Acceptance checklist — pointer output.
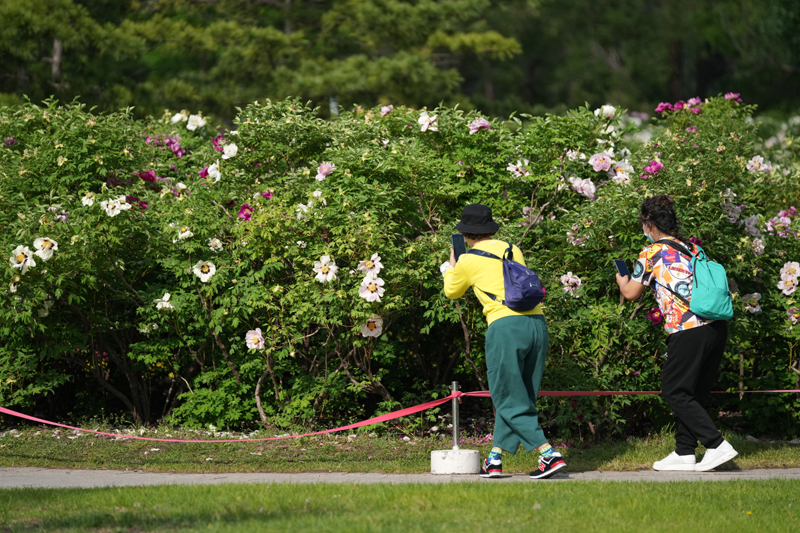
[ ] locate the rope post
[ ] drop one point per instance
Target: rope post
(455, 417)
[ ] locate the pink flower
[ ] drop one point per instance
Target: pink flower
(478, 124)
(267, 194)
(695, 241)
(583, 186)
(695, 110)
(245, 212)
(794, 314)
(600, 162)
(733, 96)
(655, 316)
(694, 101)
(325, 170)
(751, 302)
(680, 104)
(203, 173)
(691, 129)
(654, 167)
(787, 286)
(571, 283)
(147, 175)
(757, 164)
(664, 106)
(218, 141)
(385, 110)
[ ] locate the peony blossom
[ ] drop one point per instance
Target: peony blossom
(655, 315)
(751, 225)
(373, 327)
(267, 194)
(184, 233)
(204, 270)
(214, 244)
(788, 285)
(183, 116)
(694, 101)
(371, 289)
(572, 155)
(385, 110)
(111, 207)
(302, 209)
(583, 186)
(733, 96)
(571, 283)
(325, 170)
(574, 239)
(325, 269)
(790, 270)
(22, 258)
(601, 161)
(124, 205)
(229, 150)
(691, 129)
(88, 199)
(428, 122)
(654, 167)
(757, 164)
(254, 339)
(794, 314)
(478, 124)
(45, 311)
(245, 212)
(758, 247)
(751, 302)
(218, 141)
(45, 247)
(163, 302)
(371, 267)
(606, 111)
(519, 169)
(194, 122)
(213, 171)
(663, 106)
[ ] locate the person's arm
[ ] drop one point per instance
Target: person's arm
(456, 280)
(630, 289)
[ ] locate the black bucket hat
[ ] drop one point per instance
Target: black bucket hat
(477, 219)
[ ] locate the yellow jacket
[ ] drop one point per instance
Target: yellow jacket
(484, 274)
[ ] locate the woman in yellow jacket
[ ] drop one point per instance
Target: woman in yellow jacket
(516, 345)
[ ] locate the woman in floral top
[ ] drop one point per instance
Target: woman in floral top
(695, 346)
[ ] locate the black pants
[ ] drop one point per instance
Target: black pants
(690, 368)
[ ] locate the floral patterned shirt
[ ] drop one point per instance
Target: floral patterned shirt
(660, 266)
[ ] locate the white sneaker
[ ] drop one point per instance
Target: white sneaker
(716, 456)
(676, 462)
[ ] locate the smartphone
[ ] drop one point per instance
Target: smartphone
(622, 268)
(459, 245)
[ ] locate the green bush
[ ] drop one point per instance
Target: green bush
(250, 333)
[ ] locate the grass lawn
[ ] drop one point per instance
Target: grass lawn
(728, 506)
(47, 448)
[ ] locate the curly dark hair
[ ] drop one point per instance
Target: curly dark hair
(659, 211)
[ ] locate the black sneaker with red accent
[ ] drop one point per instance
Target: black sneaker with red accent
(548, 466)
(492, 468)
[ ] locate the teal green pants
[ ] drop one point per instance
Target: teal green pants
(516, 348)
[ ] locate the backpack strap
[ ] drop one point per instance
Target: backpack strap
(481, 253)
(681, 249)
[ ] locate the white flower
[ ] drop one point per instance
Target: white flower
(254, 339)
(371, 267)
(572, 155)
(757, 164)
(325, 269)
(122, 202)
(751, 302)
(371, 289)
(790, 270)
(788, 285)
(215, 245)
(229, 150)
(302, 209)
(571, 283)
(183, 116)
(204, 270)
(45, 247)
(163, 302)
(428, 122)
(606, 111)
(301, 244)
(620, 167)
(111, 207)
(12, 287)
(43, 312)
(48, 304)
(195, 121)
(184, 233)
(373, 327)
(213, 171)
(318, 194)
(758, 247)
(22, 258)
(518, 169)
(181, 187)
(88, 199)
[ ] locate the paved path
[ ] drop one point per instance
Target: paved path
(52, 478)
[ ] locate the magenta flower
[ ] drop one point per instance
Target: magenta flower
(218, 141)
(691, 129)
(147, 175)
(695, 241)
(654, 167)
(695, 110)
(478, 124)
(655, 316)
(325, 170)
(8, 141)
(680, 104)
(267, 194)
(245, 212)
(203, 173)
(664, 106)
(385, 110)
(733, 96)
(694, 101)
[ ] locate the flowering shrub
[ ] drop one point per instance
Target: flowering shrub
(286, 272)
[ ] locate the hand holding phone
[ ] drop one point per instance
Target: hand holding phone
(622, 268)
(459, 245)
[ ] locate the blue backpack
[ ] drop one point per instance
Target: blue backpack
(710, 297)
(521, 285)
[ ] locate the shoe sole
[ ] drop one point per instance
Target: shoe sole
(550, 472)
(718, 461)
(492, 474)
(675, 468)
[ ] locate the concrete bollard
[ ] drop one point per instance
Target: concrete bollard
(455, 461)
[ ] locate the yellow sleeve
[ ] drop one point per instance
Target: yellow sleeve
(518, 257)
(457, 281)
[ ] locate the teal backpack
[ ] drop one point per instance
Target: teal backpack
(711, 298)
